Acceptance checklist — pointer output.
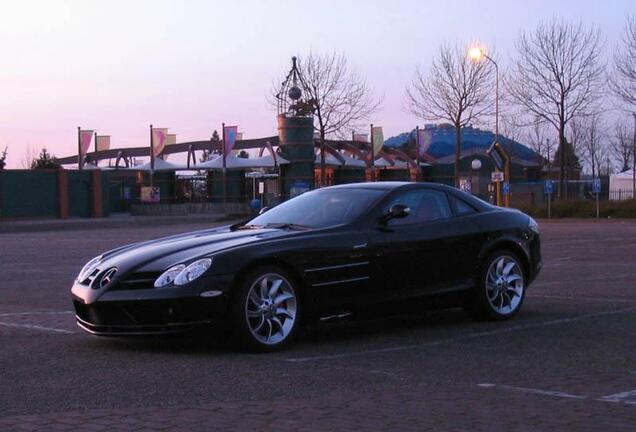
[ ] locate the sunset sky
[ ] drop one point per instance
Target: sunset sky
(117, 66)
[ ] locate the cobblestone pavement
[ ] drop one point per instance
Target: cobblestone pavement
(566, 363)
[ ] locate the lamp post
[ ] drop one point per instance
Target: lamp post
(477, 54)
(634, 161)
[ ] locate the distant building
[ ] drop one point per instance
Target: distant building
(526, 164)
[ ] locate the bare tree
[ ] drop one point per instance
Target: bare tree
(30, 155)
(539, 141)
(557, 75)
(454, 89)
(576, 132)
(341, 98)
(622, 145)
(593, 143)
(623, 76)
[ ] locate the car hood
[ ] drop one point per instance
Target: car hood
(160, 254)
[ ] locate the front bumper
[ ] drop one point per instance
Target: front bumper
(151, 311)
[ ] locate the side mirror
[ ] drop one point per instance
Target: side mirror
(397, 211)
(263, 210)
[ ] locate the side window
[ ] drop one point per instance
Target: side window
(426, 205)
(462, 207)
(433, 206)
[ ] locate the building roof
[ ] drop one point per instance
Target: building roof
(474, 141)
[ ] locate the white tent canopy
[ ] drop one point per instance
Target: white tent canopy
(160, 165)
(349, 162)
(621, 185)
(233, 162)
(353, 162)
(330, 160)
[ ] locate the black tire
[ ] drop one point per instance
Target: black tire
(484, 305)
(243, 325)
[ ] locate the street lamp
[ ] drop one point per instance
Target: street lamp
(478, 54)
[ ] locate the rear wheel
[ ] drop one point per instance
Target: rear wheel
(266, 309)
(500, 288)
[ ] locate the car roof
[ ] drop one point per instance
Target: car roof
(388, 185)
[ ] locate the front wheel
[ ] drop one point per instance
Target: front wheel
(500, 289)
(266, 309)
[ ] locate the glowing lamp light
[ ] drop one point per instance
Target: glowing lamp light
(475, 53)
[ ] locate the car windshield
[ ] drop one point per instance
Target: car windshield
(320, 208)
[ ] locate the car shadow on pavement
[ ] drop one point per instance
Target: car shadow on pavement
(370, 328)
(205, 341)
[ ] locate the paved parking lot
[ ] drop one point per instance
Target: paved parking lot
(568, 362)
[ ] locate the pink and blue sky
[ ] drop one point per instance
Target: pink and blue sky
(117, 66)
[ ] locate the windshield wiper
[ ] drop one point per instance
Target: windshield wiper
(284, 225)
(249, 226)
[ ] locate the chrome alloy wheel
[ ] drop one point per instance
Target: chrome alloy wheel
(504, 284)
(271, 308)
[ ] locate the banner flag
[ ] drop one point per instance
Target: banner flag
(230, 135)
(86, 137)
(170, 140)
(102, 142)
(361, 137)
(426, 139)
(378, 140)
(159, 136)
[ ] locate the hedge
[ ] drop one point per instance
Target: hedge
(584, 209)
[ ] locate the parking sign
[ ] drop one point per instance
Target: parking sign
(548, 186)
(506, 188)
(596, 186)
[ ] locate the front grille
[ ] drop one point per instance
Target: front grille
(141, 280)
(90, 278)
(156, 312)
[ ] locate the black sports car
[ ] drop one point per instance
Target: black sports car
(331, 252)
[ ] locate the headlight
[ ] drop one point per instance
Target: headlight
(89, 268)
(169, 276)
(193, 271)
(181, 275)
(533, 225)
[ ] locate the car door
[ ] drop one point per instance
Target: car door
(411, 255)
(337, 270)
(466, 238)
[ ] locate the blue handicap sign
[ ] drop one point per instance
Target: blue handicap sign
(299, 187)
(255, 204)
(548, 186)
(506, 188)
(596, 185)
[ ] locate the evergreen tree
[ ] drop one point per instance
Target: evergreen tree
(44, 161)
(3, 158)
(215, 140)
(571, 159)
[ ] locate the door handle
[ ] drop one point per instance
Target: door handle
(360, 245)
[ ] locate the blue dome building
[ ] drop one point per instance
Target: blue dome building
(438, 141)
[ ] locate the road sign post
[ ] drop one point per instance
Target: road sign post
(547, 188)
(497, 177)
(501, 161)
(596, 189)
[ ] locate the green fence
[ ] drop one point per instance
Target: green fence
(36, 194)
(26, 193)
(79, 193)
